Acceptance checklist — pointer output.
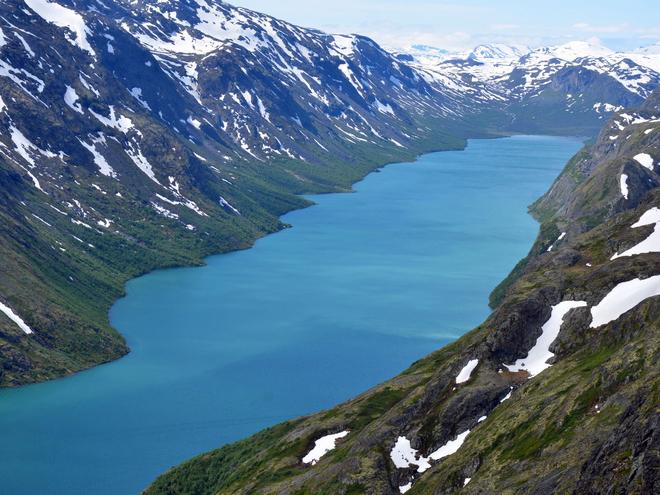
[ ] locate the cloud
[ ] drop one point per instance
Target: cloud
(502, 27)
(583, 26)
(401, 36)
(459, 26)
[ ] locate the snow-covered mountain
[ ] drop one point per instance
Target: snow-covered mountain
(574, 50)
(648, 50)
(541, 88)
(498, 51)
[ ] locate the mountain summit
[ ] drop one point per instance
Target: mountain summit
(498, 51)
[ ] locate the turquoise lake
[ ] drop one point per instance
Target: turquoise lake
(361, 286)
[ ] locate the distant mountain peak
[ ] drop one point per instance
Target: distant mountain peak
(498, 51)
(648, 50)
(578, 49)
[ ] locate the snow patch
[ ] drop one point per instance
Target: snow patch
(41, 220)
(624, 186)
(537, 357)
(137, 94)
(66, 18)
(404, 456)
(450, 447)
(25, 44)
(382, 107)
(25, 147)
(194, 122)
(652, 243)
(135, 153)
(71, 99)
(119, 122)
(467, 370)
(78, 222)
(622, 298)
(561, 236)
(224, 202)
(99, 159)
(345, 45)
(161, 210)
(15, 318)
(645, 160)
(406, 487)
(322, 446)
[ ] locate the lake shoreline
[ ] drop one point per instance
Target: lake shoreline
(377, 264)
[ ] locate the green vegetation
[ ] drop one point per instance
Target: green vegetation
(376, 405)
(208, 473)
(547, 205)
(548, 233)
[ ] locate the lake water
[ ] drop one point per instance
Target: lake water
(361, 286)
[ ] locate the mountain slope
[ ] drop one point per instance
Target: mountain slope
(124, 149)
(557, 392)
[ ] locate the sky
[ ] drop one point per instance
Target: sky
(618, 25)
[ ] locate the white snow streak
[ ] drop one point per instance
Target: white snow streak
(467, 370)
(137, 94)
(121, 123)
(624, 186)
(15, 318)
(63, 17)
(624, 297)
(99, 159)
(71, 99)
(322, 446)
(652, 243)
(142, 163)
(535, 362)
